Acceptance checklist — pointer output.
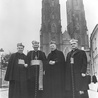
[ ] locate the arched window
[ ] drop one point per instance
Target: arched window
(52, 2)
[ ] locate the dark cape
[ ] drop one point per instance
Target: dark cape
(74, 80)
(33, 73)
(16, 74)
(54, 76)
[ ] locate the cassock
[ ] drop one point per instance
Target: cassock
(16, 74)
(36, 62)
(55, 75)
(76, 64)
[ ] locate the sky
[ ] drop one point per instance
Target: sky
(20, 21)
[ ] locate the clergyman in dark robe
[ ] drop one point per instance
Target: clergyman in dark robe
(36, 61)
(76, 68)
(54, 73)
(16, 74)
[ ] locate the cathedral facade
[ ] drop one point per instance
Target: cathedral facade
(51, 25)
(76, 22)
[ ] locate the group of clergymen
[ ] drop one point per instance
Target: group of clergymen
(36, 76)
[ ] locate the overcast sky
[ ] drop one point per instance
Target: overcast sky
(20, 21)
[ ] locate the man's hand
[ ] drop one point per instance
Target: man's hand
(25, 65)
(81, 92)
(83, 75)
(51, 62)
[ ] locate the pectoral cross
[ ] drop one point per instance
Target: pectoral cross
(36, 57)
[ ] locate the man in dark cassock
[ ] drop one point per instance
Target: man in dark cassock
(16, 74)
(76, 68)
(36, 61)
(54, 73)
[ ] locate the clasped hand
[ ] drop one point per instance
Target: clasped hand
(26, 65)
(51, 62)
(83, 75)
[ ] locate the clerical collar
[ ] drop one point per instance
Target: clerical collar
(74, 49)
(35, 51)
(20, 52)
(54, 50)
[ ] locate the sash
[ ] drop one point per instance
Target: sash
(40, 63)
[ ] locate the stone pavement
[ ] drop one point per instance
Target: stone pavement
(4, 93)
(93, 94)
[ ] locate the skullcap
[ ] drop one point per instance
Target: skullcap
(53, 42)
(20, 44)
(73, 41)
(35, 43)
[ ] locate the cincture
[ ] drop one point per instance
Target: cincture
(20, 61)
(40, 63)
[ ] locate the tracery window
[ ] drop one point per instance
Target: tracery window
(52, 2)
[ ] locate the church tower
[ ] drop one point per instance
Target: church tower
(76, 22)
(51, 25)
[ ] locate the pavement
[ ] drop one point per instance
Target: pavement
(4, 93)
(92, 94)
